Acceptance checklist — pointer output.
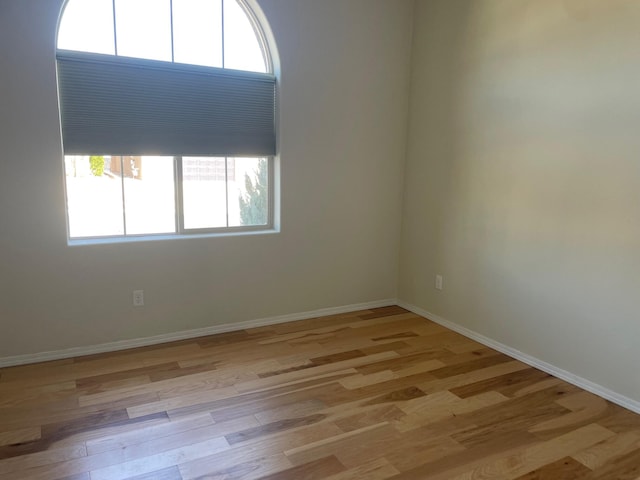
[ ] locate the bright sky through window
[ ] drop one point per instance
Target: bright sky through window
(143, 30)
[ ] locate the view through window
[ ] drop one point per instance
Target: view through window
(122, 195)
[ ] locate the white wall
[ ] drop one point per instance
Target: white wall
(344, 95)
(523, 178)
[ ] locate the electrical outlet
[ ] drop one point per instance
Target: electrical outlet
(138, 298)
(438, 282)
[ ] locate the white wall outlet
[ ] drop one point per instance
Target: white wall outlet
(138, 298)
(438, 282)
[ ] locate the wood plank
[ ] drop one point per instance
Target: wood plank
(537, 456)
(367, 417)
(48, 457)
(440, 406)
(247, 463)
(605, 452)
(317, 469)
(584, 408)
(376, 469)
(509, 382)
(412, 449)
(295, 409)
(123, 440)
(159, 461)
(624, 467)
(447, 466)
(52, 433)
(24, 435)
(170, 473)
(261, 454)
(566, 469)
(374, 436)
(274, 427)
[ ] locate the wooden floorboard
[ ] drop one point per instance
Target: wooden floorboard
(375, 394)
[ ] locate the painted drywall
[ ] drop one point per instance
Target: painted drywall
(523, 178)
(343, 113)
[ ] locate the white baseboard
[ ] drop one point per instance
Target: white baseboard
(581, 382)
(186, 334)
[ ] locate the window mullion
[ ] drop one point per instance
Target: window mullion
(115, 30)
(124, 208)
(222, 18)
(179, 194)
(171, 20)
(270, 191)
(226, 188)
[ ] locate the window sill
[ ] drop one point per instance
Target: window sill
(74, 242)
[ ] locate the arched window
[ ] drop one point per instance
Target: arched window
(167, 112)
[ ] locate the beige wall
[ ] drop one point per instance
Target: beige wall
(523, 178)
(345, 80)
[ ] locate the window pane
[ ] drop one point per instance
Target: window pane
(248, 192)
(94, 196)
(87, 26)
(242, 50)
(143, 28)
(197, 32)
(149, 195)
(204, 192)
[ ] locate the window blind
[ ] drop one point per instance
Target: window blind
(129, 106)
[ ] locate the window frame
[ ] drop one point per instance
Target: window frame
(178, 181)
(178, 197)
(179, 193)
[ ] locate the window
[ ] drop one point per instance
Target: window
(168, 118)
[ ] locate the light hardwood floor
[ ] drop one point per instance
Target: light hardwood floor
(370, 395)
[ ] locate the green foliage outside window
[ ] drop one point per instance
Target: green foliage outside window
(96, 164)
(254, 204)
